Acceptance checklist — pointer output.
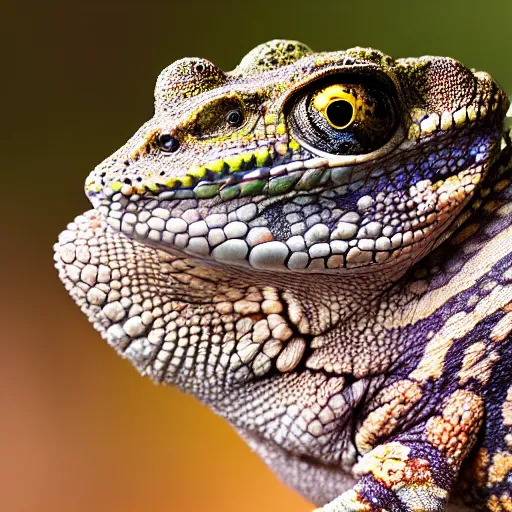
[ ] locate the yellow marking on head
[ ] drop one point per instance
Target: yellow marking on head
(460, 117)
(197, 171)
(116, 186)
(271, 119)
(185, 181)
(472, 113)
(294, 145)
(235, 162)
(216, 166)
(414, 132)
(171, 182)
(262, 155)
(152, 186)
(93, 187)
(281, 129)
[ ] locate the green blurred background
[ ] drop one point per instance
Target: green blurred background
(80, 429)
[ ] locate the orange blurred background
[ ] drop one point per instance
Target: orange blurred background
(81, 430)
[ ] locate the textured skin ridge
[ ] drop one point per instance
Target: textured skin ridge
(351, 313)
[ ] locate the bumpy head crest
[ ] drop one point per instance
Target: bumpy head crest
(443, 84)
(272, 55)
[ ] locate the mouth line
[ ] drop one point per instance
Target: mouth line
(265, 170)
(298, 175)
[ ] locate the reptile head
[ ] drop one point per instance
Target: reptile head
(304, 161)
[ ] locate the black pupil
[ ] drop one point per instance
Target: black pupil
(235, 117)
(340, 113)
(168, 143)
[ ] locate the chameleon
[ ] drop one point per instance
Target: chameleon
(318, 246)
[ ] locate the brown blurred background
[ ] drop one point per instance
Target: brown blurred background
(80, 429)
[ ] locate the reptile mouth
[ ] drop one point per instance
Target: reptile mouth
(298, 175)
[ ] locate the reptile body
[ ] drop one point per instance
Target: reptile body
(319, 247)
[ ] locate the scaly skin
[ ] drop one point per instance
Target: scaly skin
(319, 247)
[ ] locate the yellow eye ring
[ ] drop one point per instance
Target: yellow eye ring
(337, 106)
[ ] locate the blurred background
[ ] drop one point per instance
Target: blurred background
(80, 429)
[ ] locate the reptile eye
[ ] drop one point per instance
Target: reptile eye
(345, 118)
(235, 117)
(167, 143)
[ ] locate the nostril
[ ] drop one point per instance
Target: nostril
(167, 143)
(128, 181)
